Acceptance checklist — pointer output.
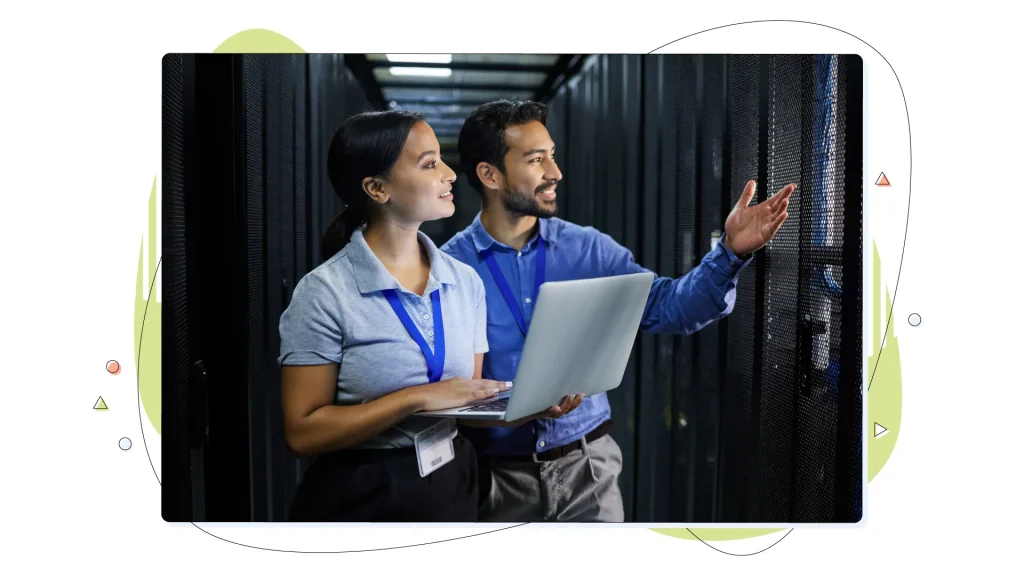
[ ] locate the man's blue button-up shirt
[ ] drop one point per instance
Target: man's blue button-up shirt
(683, 306)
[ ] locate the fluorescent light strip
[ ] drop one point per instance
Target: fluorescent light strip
(412, 71)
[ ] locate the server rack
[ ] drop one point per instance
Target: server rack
(245, 202)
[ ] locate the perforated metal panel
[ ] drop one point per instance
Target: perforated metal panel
(709, 350)
(576, 200)
(632, 190)
(287, 201)
(653, 427)
(806, 364)
(613, 149)
(849, 113)
(679, 194)
(559, 115)
(254, 109)
(737, 466)
(252, 94)
(660, 388)
(782, 257)
(821, 279)
(303, 262)
(300, 163)
(315, 146)
(176, 493)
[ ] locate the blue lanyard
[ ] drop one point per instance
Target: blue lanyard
(435, 359)
(512, 301)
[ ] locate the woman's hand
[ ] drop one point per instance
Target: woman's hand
(454, 393)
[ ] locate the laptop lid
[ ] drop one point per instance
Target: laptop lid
(579, 342)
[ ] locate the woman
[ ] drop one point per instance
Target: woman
(387, 326)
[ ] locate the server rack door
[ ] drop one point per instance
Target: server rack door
(177, 495)
(682, 96)
(654, 390)
(285, 89)
(251, 133)
(294, 214)
(827, 430)
(816, 411)
(849, 93)
(708, 343)
(737, 462)
(285, 266)
(220, 324)
(622, 132)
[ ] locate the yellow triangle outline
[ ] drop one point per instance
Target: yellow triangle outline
(100, 404)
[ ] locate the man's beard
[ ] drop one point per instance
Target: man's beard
(528, 204)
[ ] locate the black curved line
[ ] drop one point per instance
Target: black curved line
(733, 554)
(910, 176)
(353, 551)
(138, 371)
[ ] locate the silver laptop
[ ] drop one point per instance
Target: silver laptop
(580, 338)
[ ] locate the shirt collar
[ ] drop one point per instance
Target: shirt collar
(482, 239)
(372, 276)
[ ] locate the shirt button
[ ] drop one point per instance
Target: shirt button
(520, 255)
(541, 443)
(430, 333)
(527, 300)
(426, 316)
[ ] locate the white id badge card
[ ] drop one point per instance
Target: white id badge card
(434, 447)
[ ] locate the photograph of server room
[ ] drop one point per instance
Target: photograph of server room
(755, 418)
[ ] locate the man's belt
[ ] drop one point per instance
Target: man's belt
(555, 453)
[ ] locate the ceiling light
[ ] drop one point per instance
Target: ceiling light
(429, 58)
(403, 71)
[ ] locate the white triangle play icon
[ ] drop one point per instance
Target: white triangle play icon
(880, 430)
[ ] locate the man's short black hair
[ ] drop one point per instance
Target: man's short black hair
(482, 137)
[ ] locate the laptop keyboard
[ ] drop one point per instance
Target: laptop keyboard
(499, 405)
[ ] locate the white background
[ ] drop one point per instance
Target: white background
(80, 132)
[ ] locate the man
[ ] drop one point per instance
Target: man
(566, 468)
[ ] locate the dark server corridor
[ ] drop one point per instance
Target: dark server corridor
(755, 418)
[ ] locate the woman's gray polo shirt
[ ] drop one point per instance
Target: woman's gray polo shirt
(339, 314)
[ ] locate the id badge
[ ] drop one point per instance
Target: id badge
(434, 447)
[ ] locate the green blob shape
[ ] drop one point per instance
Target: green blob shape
(885, 397)
(716, 534)
(148, 340)
(258, 41)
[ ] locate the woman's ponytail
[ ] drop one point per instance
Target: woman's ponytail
(340, 230)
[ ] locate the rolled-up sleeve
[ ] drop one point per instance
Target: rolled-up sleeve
(681, 305)
(310, 327)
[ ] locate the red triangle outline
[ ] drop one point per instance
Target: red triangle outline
(883, 180)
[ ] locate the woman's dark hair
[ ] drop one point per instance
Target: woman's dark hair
(365, 145)
(482, 137)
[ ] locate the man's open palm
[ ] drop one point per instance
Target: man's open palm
(748, 228)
